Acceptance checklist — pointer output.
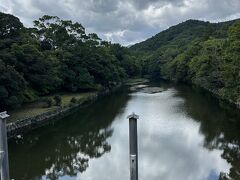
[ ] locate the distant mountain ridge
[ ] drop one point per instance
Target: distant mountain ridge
(190, 28)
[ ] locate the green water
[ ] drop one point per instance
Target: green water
(184, 134)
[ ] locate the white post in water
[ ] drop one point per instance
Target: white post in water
(4, 147)
(133, 146)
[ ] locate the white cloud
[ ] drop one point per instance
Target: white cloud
(137, 19)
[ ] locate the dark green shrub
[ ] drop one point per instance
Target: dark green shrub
(49, 102)
(58, 100)
(73, 100)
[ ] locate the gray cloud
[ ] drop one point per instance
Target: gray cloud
(124, 21)
(143, 4)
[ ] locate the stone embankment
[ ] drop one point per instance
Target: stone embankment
(19, 127)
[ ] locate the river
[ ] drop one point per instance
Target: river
(183, 134)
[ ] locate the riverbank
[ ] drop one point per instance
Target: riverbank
(214, 93)
(33, 109)
(39, 107)
(45, 116)
(220, 97)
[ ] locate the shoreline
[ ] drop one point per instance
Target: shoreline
(215, 94)
(23, 126)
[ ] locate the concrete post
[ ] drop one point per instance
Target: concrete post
(4, 147)
(1, 158)
(133, 146)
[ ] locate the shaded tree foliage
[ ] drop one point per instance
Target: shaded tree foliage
(201, 53)
(12, 86)
(57, 55)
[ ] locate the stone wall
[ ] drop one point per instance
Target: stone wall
(24, 125)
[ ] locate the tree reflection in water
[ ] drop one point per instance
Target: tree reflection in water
(91, 144)
(66, 147)
(219, 124)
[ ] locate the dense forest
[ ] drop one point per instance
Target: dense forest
(56, 55)
(196, 52)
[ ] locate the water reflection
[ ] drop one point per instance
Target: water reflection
(183, 134)
(219, 124)
(65, 148)
(171, 146)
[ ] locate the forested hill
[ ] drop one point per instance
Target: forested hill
(184, 33)
(201, 53)
(56, 55)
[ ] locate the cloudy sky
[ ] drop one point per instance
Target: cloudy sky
(124, 21)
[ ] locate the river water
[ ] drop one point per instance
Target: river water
(183, 134)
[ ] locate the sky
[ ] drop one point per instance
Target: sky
(124, 21)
